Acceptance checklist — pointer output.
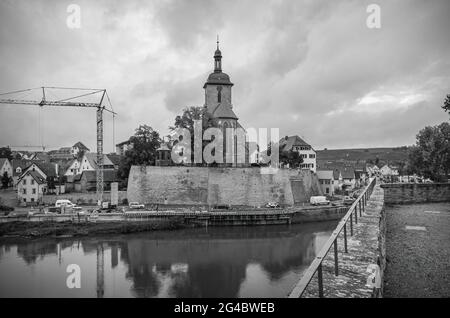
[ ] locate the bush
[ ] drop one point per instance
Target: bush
(6, 208)
(125, 201)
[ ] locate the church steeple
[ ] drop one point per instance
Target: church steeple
(218, 59)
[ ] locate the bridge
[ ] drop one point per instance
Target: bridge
(353, 261)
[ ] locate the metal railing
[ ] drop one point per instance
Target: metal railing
(316, 266)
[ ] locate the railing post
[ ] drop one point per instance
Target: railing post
(345, 237)
(320, 280)
(356, 217)
(360, 211)
(336, 269)
(351, 224)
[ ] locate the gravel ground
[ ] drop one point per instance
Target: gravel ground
(418, 262)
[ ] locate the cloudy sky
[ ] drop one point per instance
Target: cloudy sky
(311, 68)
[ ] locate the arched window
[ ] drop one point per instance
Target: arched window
(219, 94)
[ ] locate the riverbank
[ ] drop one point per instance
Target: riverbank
(48, 229)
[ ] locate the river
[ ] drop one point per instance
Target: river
(258, 261)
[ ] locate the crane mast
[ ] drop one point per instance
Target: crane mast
(68, 102)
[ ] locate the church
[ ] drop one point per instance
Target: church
(218, 103)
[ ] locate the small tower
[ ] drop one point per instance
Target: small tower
(163, 157)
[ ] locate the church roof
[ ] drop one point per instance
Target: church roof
(218, 78)
(223, 111)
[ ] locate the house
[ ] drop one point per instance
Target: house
(87, 180)
(89, 162)
(18, 166)
(31, 187)
(348, 178)
(388, 170)
(6, 166)
(73, 168)
(326, 180)
(46, 169)
(372, 170)
(41, 156)
(64, 153)
(79, 146)
(337, 180)
(122, 147)
(295, 143)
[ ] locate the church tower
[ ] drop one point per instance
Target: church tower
(218, 94)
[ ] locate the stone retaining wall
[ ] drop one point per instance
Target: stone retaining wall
(407, 193)
(220, 186)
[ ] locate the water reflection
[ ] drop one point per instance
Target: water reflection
(214, 262)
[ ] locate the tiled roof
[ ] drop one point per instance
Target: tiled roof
(91, 176)
(291, 141)
(347, 173)
(48, 168)
(81, 146)
(223, 111)
(92, 158)
(2, 161)
(22, 163)
(325, 174)
(115, 158)
(123, 143)
(40, 179)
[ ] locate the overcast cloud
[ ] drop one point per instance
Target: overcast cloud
(311, 68)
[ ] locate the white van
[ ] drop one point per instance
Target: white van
(65, 203)
(319, 200)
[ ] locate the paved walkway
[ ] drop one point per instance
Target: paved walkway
(418, 250)
(362, 251)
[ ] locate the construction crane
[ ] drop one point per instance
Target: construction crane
(71, 101)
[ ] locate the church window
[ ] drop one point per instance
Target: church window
(219, 94)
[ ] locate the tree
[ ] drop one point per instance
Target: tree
(5, 152)
(51, 183)
(5, 180)
(143, 151)
(186, 120)
(430, 157)
(446, 105)
(290, 157)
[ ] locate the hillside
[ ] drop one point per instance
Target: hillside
(397, 154)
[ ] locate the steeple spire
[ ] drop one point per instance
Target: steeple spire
(218, 59)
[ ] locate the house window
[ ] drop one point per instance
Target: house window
(24, 200)
(32, 181)
(34, 190)
(327, 190)
(32, 199)
(24, 191)
(24, 181)
(312, 156)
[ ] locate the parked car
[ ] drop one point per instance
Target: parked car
(65, 203)
(272, 205)
(319, 200)
(348, 200)
(136, 205)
